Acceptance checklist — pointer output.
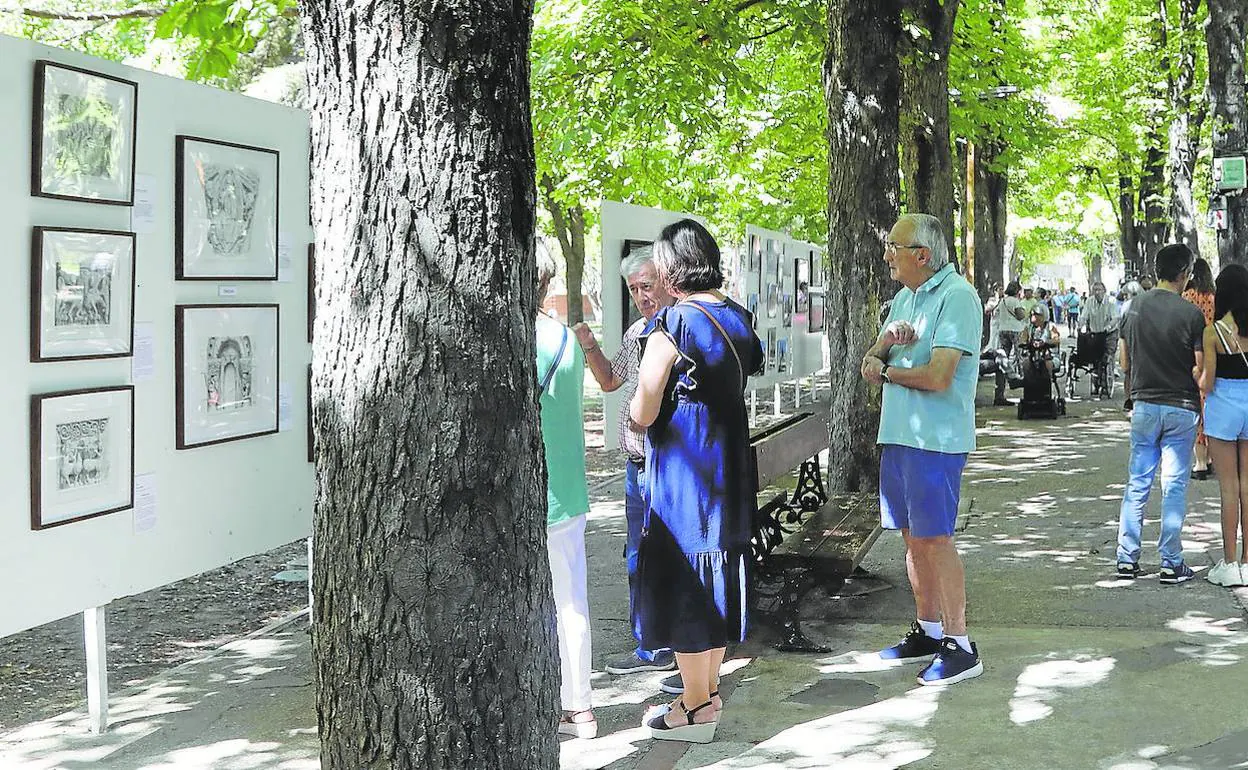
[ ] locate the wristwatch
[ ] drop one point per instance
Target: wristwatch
(884, 373)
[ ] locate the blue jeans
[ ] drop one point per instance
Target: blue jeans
(1165, 436)
(634, 515)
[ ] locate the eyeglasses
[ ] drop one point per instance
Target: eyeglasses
(891, 247)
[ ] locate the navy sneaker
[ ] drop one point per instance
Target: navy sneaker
(1174, 575)
(914, 647)
(1128, 570)
(673, 685)
(632, 663)
(952, 664)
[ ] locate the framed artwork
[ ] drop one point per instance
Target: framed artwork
(81, 294)
(815, 313)
(226, 366)
(770, 352)
(629, 312)
(786, 312)
(83, 135)
(81, 454)
(311, 432)
(311, 290)
(225, 211)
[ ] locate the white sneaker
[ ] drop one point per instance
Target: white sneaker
(1224, 574)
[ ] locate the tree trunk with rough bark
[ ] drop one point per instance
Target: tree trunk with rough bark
(861, 86)
(991, 188)
(926, 157)
(1224, 35)
(569, 224)
(434, 643)
(1153, 220)
(1127, 233)
(1184, 130)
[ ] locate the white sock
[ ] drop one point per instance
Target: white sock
(963, 641)
(933, 628)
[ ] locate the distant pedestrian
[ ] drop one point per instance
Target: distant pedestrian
(1010, 318)
(1199, 292)
(1161, 346)
(1100, 318)
(649, 296)
(926, 361)
(1073, 308)
(561, 373)
(1224, 381)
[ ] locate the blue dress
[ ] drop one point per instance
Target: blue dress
(700, 499)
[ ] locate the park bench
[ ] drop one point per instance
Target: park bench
(803, 538)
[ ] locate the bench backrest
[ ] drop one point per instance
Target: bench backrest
(780, 448)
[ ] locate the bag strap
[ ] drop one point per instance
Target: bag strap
(727, 339)
(550, 373)
(1222, 335)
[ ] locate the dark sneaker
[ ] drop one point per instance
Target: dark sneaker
(1174, 575)
(673, 685)
(916, 646)
(633, 663)
(952, 664)
(1128, 570)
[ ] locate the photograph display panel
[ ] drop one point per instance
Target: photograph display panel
(227, 372)
(83, 135)
(82, 294)
(225, 211)
(81, 454)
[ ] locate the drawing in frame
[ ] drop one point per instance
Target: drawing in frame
(815, 313)
(83, 135)
(311, 426)
(311, 290)
(226, 369)
(225, 211)
(81, 454)
(81, 294)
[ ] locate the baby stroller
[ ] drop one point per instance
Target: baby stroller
(1090, 359)
(1042, 394)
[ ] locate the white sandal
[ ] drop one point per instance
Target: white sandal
(587, 729)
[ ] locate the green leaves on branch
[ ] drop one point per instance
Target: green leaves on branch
(219, 30)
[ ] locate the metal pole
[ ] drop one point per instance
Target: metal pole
(97, 668)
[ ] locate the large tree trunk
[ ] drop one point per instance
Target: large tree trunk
(569, 224)
(434, 640)
(1183, 134)
(926, 157)
(861, 87)
(1127, 234)
(991, 186)
(1224, 35)
(1154, 224)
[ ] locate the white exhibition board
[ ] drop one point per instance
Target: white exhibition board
(213, 504)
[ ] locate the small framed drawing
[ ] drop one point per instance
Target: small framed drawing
(83, 135)
(225, 211)
(815, 314)
(311, 426)
(225, 365)
(81, 294)
(311, 290)
(81, 454)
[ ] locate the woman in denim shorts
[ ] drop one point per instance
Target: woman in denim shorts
(1224, 381)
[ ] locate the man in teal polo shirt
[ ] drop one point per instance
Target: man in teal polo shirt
(927, 361)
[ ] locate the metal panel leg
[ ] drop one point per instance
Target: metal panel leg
(97, 668)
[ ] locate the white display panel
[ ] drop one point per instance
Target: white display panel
(217, 503)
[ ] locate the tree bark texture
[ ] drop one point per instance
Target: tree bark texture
(1128, 236)
(1224, 36)
(569, 224)
(1153, 221)
(861, 85)
(1183, 133)
(991, 187)
(926, 157)
(434, 641)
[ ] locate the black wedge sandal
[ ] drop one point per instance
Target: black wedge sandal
(703, 732)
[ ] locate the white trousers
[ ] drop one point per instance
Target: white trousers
(565, 547)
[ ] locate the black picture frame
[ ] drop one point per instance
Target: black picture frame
(41, 353)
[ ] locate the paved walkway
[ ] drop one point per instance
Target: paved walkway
(1082, 671)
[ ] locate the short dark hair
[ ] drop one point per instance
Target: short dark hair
(1013, 289)
(1231, 295)
(1173, 260)
(688, 257)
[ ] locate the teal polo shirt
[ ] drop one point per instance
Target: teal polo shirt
(945, 313)
(563, 423)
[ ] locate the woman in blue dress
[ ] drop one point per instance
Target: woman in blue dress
(700, 497)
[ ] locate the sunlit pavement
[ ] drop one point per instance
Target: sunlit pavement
(1082, 671)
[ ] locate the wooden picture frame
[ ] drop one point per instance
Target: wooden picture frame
(226, 204)
(311, 290)
(83, 135)
(81, 294)
(81, 454)
(226, 366)
(311, 430)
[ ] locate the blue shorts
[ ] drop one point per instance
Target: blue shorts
(919, 490)
(1226, 410)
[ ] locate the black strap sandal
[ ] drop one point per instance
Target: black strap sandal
(702, 732)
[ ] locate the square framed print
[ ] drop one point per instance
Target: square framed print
(81, 294)
(83, 135)
(815, 314)
(225, 211)
(226, 366)
(81, 454)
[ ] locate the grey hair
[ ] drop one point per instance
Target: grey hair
(636, 259)
(1133, 288)
(929, 233)
(547, 269)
